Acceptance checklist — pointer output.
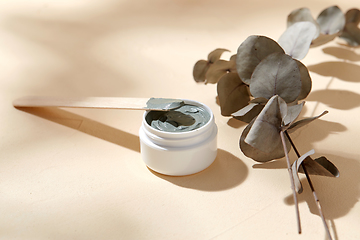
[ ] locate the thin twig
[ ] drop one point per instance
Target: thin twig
(291, 181)
(317, 201)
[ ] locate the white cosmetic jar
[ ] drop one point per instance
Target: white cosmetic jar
(179, 153)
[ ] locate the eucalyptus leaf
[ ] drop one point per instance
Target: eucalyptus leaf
(297, 38)
(302, 15)
(352, 16)
(216, 54)
(277, 74)
(320, 166)
(256, 154)
(293, 113)
(294, 170)
(249, 112)
(265, 132)
(200, 69)
(331, 20)
(298, 124)
(251, 52)
(218, 69)
(233, 94)
(351, 34)
(306, 82)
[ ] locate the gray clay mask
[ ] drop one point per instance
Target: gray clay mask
(186, 118)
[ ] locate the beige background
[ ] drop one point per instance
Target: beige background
(78, 174)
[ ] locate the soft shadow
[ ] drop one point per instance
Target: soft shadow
(235, 123)
(342, 70)
(342, 53)
(338, 99)
(276, 164)
(87, 126)
(337, 195)
(227, 171)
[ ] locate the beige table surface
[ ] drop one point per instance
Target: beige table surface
(78, 174)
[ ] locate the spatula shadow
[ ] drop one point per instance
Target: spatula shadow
(88, 126)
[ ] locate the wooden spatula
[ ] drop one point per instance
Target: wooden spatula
(157, 104)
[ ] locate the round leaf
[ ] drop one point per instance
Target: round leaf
(331, 20)
(277, 74)
(306, 83)
(258, 155)
(265, 132)
(233, 94)
(216, 54)
(352, 16)
(351, 34)
(302, 15)
(292, 114)
(251, 52)
(297, 38)
(217, 70)
(248, 113)
(200, 70)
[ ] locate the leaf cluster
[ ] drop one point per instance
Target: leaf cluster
(264, 82)
(328, 25)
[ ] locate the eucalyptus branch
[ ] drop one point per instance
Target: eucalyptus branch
(317, 201)
(291, 180)
(250, 89)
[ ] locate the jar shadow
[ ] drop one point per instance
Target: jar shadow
(227, 171)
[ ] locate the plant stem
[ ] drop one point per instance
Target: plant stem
(291, 181)
(317, 201)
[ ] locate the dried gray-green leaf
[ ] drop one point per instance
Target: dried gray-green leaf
(352, 16)
(233, 94)
(297, 38)
(277, 74)
(306, 83)
(217, 70)
(200, 69)
(331, 20)
(251, 52)
(265, 132)
(302, 15)
(258, 155)
(298, 124)
(216, 54)
(249, 112)
(351, 34)
(294, 170)
(282, 108)
(293, 113)
(320, 166)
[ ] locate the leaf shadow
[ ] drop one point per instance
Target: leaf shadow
(342, 70)
(88, 126)
(342, 53)
(227, 171)
(235, 123)
(338, 99)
